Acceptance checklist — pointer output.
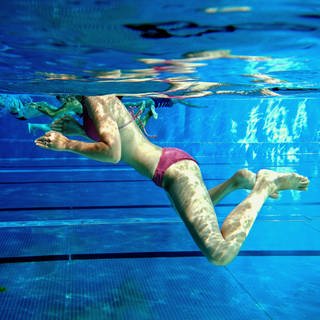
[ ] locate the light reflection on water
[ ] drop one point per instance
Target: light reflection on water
(114, 47)
(272, 121)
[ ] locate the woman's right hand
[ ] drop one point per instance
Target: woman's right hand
(53, 140)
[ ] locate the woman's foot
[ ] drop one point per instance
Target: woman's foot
(276, 181)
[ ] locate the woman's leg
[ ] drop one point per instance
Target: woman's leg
(242, 179)
(191, 199)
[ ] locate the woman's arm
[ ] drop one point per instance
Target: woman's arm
(99, 151)
(108, 149)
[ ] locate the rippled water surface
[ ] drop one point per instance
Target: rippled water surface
(176, 48)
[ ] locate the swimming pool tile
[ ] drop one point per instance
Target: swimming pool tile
(108, 215)
(285, 287)
(157, 289)
(148, 235)
(33, 241)
(94, 238)
(143, 237)
(315, 224)
(265, 235)
(282, 235)
(115, 193)
(48, 195)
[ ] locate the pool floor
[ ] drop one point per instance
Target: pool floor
(103, 243)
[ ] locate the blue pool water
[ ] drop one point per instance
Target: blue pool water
(81, 239)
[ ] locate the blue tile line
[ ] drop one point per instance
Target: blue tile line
(154, 254)
(156, 206)
(83, 222)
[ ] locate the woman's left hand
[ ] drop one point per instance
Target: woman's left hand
(52, 140)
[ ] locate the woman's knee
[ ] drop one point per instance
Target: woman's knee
(219, 261)
(222, 255)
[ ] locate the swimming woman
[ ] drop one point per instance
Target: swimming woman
(117, 137)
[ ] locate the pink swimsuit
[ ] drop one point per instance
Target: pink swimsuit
(168, 157)
(89, 126)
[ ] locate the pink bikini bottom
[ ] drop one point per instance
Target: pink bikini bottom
(168, 157)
